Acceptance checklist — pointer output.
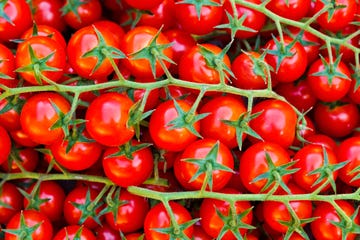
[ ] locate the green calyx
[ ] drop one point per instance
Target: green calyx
(3, 14)
(235, 24)
(23, 232)
(34, 197)
(281, 51)
(198, 4)
(347, 224)
(72, 6)
(128, 150)
(176, 231)
(113, 203)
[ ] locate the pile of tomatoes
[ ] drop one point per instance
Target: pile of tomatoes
(179, 119)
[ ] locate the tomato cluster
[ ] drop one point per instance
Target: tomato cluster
(179, 119)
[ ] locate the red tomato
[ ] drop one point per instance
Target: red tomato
(81, 13)
(31, 218)
(125, 171)
(213, 224)
(27, 157)
(253, 163)
(70, 233)
(105, 232)
(130, 214)
(199, 150)
(48, 12)
(106, 119)
(38, 116)
(19, 14)
(21, 138)
(200, 234)
(5, 145)
(293, 9)
(158, 217)
(220, 109)
(276, 123)
(138, 94)
(143, 5)
(162, 15)
(7, 66)
(11, 202)
(323, 140)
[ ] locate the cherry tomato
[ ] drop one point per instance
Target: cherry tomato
(28, 158)
(11, 202)
(143, 5)
(82, 13)
(7, 67)
(48, 12)
(70, 233)
(5, 145)
(162, 15)
(293, 9)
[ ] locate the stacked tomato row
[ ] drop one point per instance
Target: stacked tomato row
(101, 96)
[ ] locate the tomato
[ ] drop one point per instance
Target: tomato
(199, 150)
(28, 158)
(48, 12)
(81, 13)
(276, 122)
(253, 163)
(200, 234)
(305, 129)
(213, 224)
(339, 18)
(105, 232)
(10, 202)
(249, 71)
(276, 213)
(159, 218)
(162, 15)
(136, 40)
(7, 67)
(5, 145)
(70, 232)
(106, 119)
(325, 88)
(19, 14)
(134, 236)
(31, 218)
(75, 207)
(294, 9)
(52, 195)
(138, 94)
(254, 20)
(130, 214)
(349, 150)
(161, 126)
(323, 140)
(336, 119)
(323, 227)
(43, 48)
(38, 116)
(74, 158)
(193, 66)
(143, 5)
(21, 138)
(198, 23)
(85, 40)
(220, 109)
(310, 158)
(125, 171)
(294, 60)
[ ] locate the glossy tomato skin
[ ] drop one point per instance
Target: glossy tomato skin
(105, 232)
(130, 215)
(28, 157)
(184, 171)
(106, 119)
(7, 67)
(5, 145)
(296, 64)
(309, 158)
(162, 15)
(293, 9)
(349, 150)
(254, 20)
(31, 217)
(323, 229)
(211, 221)
(137, 39)
(69, 233)
(323, 88)
(87, 13)
(124, 171)
(253, 163)
(222, 108)
(158, 217)
(20, 16)
(143, 5)
(193, 66)
(54, 197)
(11, 200)
(42, 47)
(38, 115)
(276, 122)
(160, 130)
(48, 12)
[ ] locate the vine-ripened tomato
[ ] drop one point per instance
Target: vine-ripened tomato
(42, 47)
(184, 171)
(161, 131)
(293, 9)
(194, 68)
(38, 116)
(276, 122)
(125, 171)
(82, 13)
(106, 119)
(11, 201)
(131, 214)
(7, 67)
(254, 20)
(19, 14)
(5, 145)
(323, 227)
(325, 88)
(212, 223)
(70, 233)
(137, 39)
(158, 217)
(48, 12)
(143, 5)
(105, 232)
(220, 109)
(308, 159)
(31, 218)
(253, 163)
(28, 158)
(162, 15)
